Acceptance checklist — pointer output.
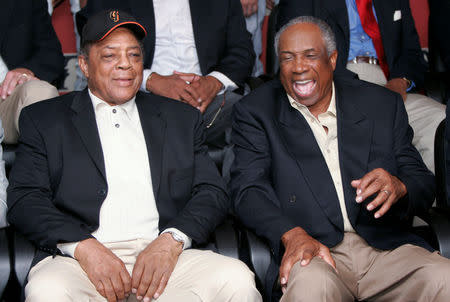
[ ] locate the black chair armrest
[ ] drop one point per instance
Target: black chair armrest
(226, 239)
(439, 222)
(24, 252)
(259, 255)
(5, 261)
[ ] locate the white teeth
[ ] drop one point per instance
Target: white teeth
(303, 82)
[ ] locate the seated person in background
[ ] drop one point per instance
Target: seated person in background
(30, 59)
(197, 51)
(325, 170)
(379, 42)
(254, 12)
(113, 185)
(3, 184)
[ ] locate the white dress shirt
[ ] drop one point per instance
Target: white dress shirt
(129, 210)
(328, 144)
(3, 70)
(175, 48)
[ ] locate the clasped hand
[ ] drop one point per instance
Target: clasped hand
(195, 90)
(150, 275)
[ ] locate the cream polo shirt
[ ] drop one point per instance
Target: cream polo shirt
(328, 144)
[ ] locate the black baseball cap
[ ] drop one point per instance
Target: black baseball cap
(102, 24)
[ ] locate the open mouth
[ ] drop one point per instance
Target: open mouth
(304, 88)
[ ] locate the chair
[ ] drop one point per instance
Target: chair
(5, 261)
(439, 215)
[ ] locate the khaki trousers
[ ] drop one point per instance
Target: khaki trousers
(198, 276)
(406, 274)
(23, 95)
(424, 113)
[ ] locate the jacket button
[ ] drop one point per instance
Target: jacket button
(102, 192)
(293, 199)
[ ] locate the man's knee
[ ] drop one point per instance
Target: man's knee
(33, 91)
(235, 275)
(59, 279)
(316, 281)
(47, 287)
(434, 277)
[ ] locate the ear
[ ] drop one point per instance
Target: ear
(83, 63)
(333, 59)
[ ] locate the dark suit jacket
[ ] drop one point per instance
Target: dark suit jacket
(58, 183)
(27, 38)
(400, 40)
(440, 30)
(280, 179)
(222, 41)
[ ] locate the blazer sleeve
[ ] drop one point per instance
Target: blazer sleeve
(30, 207)
(46, 59)
(209, 202)
(238, 56)
(255, 200)
(411, 170)
(410, 62)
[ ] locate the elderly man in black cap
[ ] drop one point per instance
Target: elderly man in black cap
(113, 186)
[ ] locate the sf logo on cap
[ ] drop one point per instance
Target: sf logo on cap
(114, 15)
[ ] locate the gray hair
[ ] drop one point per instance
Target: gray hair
(327, 34)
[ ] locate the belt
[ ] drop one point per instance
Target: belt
(363, 59)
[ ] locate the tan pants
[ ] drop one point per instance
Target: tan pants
(23, 95)
(406, 274)
(198, 276)
(424, 113)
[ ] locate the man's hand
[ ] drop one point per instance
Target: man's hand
(249, 7)
(174, 87)
(206, 87)
(398, 85)
(105, 270)
(299, 246)
(14, 78)
(270, 4)
(154, 266)
(378, 181)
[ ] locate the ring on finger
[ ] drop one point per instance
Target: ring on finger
(387, 192)
(187, 82)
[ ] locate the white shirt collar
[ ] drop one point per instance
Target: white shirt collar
(129, 107)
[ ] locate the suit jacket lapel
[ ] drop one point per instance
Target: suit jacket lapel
(86, 125)
(385, 19)
(154, 126)
(301, 143)
(354, 141)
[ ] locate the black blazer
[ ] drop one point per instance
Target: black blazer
(400, 40)
(280, 179)
(222, 41)
(58, 182)
(27, 38)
